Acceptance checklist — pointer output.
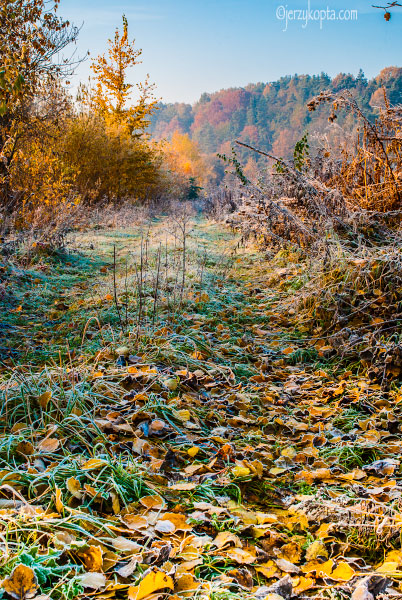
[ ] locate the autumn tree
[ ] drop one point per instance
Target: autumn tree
(113, 93)
(32, 36)
(184, 157)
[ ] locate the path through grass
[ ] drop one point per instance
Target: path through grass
(185, 441)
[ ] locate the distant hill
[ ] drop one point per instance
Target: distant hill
(272, 116)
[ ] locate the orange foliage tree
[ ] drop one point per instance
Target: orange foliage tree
(184, 157)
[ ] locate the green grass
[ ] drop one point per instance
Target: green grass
(216, 337)
(352, 455)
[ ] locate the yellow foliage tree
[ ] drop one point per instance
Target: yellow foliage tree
(112, 94)
(45, 186)
(109, 164)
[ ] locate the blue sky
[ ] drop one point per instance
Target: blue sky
(196, 46)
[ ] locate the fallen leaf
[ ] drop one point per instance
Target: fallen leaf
(49, 445)
(179, 521)
(128, 569)
(92, 558)
(343, 572)
(25, 448)
(93, 464)
(153, 501)
(224, 538)
(21, 583)
(74, 487)
(135, 522)
(287, 566)
(154, 579)
(94, 581)
(125, 545)
(193, 451)
(44, 399)
(315, 550)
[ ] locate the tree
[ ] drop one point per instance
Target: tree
(193, 189)
(112, 95)
(32, 36)
(184, 157)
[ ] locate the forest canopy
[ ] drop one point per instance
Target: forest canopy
(272, 116)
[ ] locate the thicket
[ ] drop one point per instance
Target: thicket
(336, 211)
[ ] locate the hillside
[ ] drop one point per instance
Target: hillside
(271, 116)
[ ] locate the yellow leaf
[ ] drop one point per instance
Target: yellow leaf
(153, 501)
(153, 580)
(241, 471)
(178, 520)
(322, 569)
(289, 452)
(183, 486)
(390, 568)
(291, 552)
(343, 572)
(394, 556)
(115, 503)
(74, 487)
(186, 583)
(193, 451)
(21, 583)
(226, 537)
(242, 557)
(59, 500)
(323, 530)
(171, 383)
(92, 558)
(315, 550)
(123, 351)
(305, 583)
(135, 521)
(268, 569)
(183, 415)
(93, 463)
(277, 470)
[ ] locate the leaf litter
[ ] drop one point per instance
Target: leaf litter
(201, 458)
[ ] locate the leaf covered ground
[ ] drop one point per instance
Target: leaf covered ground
(192, 442)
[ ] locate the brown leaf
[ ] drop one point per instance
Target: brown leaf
(44, 398)
(25, 448)
(49, 445)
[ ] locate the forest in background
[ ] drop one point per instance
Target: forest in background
(271, 116)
